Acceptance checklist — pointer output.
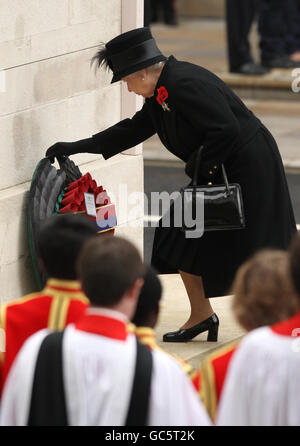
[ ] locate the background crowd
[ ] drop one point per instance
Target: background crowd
(278, 26)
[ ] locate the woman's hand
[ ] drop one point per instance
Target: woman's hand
(60, 149)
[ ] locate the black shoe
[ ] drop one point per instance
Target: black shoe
(211, 325)
(279, 62)
(251, 69)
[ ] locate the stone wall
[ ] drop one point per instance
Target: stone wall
(48, 93)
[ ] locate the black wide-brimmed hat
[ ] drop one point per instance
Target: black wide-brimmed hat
(130, 52)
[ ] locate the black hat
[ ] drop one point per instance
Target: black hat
(130, 52)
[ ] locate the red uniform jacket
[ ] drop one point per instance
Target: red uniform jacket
(288, 327)
(210, 377)
(58, 304)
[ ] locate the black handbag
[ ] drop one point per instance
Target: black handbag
(223, 203)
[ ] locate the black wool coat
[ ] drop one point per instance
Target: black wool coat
(203, 110)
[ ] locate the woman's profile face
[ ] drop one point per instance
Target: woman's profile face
(140, 83)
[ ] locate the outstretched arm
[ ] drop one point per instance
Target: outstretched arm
(121, 136)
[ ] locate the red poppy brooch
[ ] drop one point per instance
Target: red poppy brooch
(161, 97)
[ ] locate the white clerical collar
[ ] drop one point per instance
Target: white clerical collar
(108, 312)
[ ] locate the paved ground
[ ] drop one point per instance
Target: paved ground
(174, 311)
(198, 41)
(203, 42)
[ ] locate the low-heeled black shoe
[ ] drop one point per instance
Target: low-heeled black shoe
(210, 324)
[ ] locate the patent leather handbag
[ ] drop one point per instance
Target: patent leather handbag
(223, 203)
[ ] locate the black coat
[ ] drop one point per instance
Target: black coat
(203, 110)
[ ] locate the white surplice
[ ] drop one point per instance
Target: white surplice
(262, 386)
(98, 370)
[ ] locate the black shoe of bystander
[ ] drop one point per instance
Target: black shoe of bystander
(252, 69)
(279, 62)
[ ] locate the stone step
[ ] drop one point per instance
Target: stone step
(276, 85)
(174, 312)
(285, 109)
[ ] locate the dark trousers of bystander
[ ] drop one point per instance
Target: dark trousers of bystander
(279, 28)
(239, 17)
(147, 12)
(168, 9)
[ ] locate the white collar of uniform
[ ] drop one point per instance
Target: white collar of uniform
(107, 312)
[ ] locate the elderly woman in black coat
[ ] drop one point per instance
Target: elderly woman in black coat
(188, 106)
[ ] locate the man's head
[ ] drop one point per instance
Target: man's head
(263, 292)
(111, 272)
(60, 240)
(147, 309)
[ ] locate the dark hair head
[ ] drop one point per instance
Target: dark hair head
(295, 263)
(60, 240)
(107, 268)
(148, 303)
(263, 292)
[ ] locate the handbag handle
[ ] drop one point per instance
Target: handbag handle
(197, 167)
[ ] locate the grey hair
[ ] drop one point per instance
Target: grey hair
(152, 69)
(156, 67)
